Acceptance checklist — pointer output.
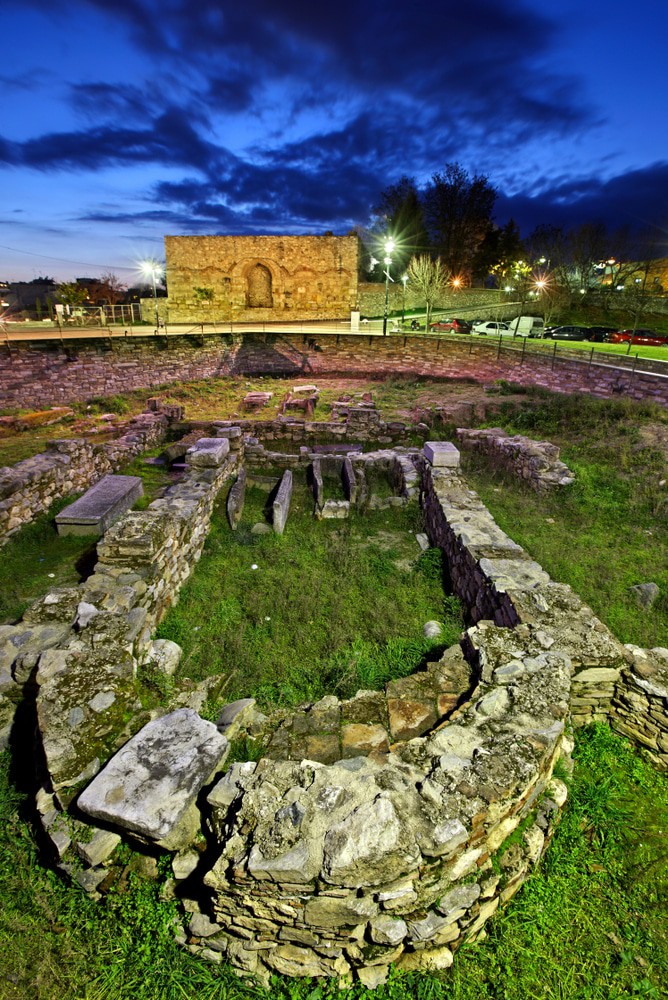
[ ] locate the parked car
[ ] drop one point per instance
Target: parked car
(527, 326)
(568, 333)
(455, 325)
(600, 334)
(646, 337)
(493, 328)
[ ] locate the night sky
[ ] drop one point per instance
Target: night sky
(124, 121)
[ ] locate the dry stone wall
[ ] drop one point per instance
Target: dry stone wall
(28, 488)
(48, 374)
(385, 829)
(536, 462)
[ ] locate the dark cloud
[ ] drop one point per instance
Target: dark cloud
(638, 199)
(372, 91)
(170, 139)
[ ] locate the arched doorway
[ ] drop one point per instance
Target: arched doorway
(259, 292)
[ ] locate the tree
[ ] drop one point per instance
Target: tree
(70, 293)
(499, 248)
(112, 288)
(399, 214)
(430, 277)
(458, 213)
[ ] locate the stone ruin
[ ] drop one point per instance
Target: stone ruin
(380, 830)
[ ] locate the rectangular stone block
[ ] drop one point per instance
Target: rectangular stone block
(441, 454)
(100, 506)
(208, 452)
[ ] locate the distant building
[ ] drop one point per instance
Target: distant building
(260, 278)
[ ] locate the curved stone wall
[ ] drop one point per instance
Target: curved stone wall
(396, 847)
(50, 374)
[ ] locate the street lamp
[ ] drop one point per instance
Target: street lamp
(153, 270)
(404, 279)
(387, 261)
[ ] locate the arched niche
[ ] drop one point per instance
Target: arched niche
(259, 288)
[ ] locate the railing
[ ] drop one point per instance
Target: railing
(552, 351)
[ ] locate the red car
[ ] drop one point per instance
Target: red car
(647, 337)
(456, 325)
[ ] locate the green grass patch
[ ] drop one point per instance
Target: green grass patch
(608, 531)
(331, 607)
(37, 559)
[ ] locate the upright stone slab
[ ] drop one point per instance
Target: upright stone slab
(441, 454)
(235, 500)
(349, 481)
(100, 506)
(281, 504)
(317, 485)
(208, 453)
(150, 787)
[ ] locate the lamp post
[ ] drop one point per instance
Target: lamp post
(404, 279)
(152, 269)
(387, 261)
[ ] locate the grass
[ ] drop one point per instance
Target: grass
(37, 559)
(588, 925)
(328, 607)
(606, 532)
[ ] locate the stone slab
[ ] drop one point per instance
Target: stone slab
(100, 506)
(441, 454)
(150, 785)
(281, 504)
(208, 452)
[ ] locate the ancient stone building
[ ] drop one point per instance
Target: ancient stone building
(261, 278)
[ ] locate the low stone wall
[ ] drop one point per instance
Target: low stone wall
(385, 829)
(51, 374)
(81, 645)
(28, 488)
(639, 706)
(536, 462)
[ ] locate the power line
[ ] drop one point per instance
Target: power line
(66, 260)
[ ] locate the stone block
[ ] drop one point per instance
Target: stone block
(100, 506)
(151, 784)
(208, 453)
(281, 504)
(441, 454)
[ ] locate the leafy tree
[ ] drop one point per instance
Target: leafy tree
(430, 277)
(458, 213)
(71, 293)
(499, 246)
(399, 214)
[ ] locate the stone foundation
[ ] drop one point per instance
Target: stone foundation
(28, 488)
(535, 462)
(385, 829)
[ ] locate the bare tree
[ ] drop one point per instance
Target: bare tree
(112, 288)
(430, 277)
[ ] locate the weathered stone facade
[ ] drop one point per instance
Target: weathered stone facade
(261, 278)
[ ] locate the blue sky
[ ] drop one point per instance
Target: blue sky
(125, 121)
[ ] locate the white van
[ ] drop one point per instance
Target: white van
(527, 326)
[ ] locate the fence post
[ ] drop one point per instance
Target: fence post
(524, 347)
(498, 350)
